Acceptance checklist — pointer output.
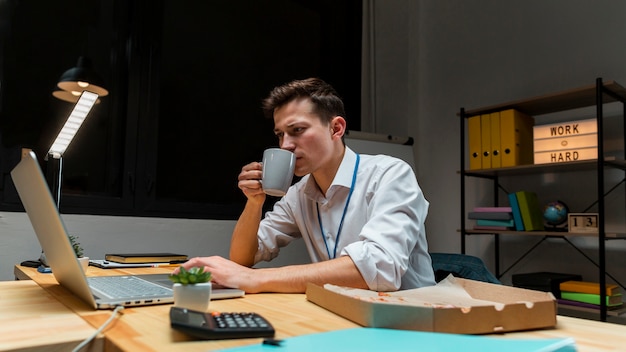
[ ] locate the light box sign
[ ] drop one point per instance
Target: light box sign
(565, 142)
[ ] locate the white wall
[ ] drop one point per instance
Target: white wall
(478, 53)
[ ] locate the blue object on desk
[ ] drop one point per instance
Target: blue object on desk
(377, 339)
(44, 269)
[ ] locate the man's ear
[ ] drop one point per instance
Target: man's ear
(338, 126)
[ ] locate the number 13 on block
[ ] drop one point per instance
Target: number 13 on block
(582, 222)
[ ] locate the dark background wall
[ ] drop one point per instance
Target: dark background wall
(186, 80)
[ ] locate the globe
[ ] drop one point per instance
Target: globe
(555, 213)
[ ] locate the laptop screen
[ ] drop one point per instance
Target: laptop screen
(48, 225)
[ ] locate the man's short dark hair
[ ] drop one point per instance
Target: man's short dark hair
(326, 102)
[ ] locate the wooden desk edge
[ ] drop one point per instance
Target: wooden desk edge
(20, 274)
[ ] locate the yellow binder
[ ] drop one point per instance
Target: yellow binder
(496, 155)
(516, 138)
(485, 140)
(473, 128)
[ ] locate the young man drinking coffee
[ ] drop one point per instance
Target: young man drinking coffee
(361, 216)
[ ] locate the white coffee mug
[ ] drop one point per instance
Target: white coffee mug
(278, 167)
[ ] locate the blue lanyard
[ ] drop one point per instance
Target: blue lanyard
(319, 218)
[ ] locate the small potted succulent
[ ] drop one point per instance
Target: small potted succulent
(192, 288)
(78, 250)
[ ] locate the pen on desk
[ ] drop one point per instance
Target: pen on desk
(272, 342)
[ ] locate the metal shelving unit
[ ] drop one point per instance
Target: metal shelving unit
(596, 95)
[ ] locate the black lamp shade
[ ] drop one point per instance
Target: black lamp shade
(78, 79)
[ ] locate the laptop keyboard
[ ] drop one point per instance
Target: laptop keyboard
(126, 286)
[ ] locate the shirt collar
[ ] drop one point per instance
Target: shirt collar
(346, 170)
(343, 177)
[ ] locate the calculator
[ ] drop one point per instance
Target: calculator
(217, 325)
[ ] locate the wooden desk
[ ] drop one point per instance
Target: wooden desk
(32, 320)
(148, 329)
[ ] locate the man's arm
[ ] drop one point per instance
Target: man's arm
(294, 278)
(244, 243)
(287, 279)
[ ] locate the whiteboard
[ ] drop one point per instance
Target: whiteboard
(367, 145)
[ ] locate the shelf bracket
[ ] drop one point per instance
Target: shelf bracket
(499, 275)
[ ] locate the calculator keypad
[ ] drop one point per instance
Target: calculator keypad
(239, 320)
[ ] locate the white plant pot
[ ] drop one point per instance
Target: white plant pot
(84, 263)
(194, 297)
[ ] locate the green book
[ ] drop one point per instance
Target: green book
(530, 210)
(591, 298)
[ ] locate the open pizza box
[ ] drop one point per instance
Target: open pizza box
(454, 305)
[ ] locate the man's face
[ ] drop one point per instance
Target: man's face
(301, 131)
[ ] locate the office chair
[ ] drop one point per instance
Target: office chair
(461, 265)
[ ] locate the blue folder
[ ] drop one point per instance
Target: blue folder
(377, 339)
(517, 214)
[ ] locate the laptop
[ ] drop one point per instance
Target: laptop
(53, 238)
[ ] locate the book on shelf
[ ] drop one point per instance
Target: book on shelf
(504, 223)
(500, 139)
(615, 300)
(491, 228)
(484, 215)
(485, 140)
(474, 139)
(492, 209)
(532, 216)
(589, 287)
(577, 304)
(517, 215)
(496, 152)
(146, 257)
(516, 135)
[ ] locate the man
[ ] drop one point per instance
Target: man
(361, 216)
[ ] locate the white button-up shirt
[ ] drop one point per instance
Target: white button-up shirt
(383, 231)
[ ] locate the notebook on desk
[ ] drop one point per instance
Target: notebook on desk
(53, 238)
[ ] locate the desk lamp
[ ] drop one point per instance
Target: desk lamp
(74, 121)
(82, 86)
